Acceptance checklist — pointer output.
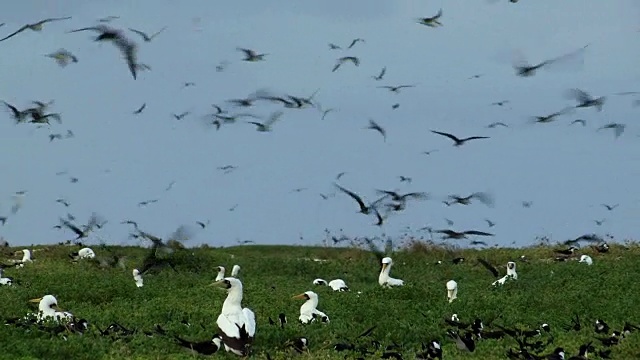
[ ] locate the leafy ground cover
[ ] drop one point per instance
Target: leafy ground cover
(545, 292)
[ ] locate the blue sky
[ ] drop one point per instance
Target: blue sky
(121, 159)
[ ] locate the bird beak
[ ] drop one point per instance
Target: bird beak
(301, 297)
(384, 266)
(56, 308)
(35, 300)
(217, 284)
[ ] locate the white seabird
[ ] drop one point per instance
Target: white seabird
(48, 308)
(452, 290)
(84, 253)
(309, 310)
(335, 284)
(235, 270)
(511, 274)
(26, 258)
(236, 325)
(137, 277)
(5, 280)
(220, 275)
(384, 279)
(586, 259)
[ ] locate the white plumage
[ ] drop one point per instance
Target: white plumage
(236, 325)
(511, 274)
(452, 290)
(586, 259)
(220, 275)
(5, 280)
(384, 279)
(335, 284)
(86, 253)
(48, 309)
(235, 271)
(309, 310)
(137, 277)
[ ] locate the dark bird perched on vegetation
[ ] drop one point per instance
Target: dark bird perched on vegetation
(457, 141)
(38, 26)
(202, 347)
(128, 48)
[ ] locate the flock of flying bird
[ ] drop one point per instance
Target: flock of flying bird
(237, 324)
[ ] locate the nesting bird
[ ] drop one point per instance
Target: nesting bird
(137, 277)
(586, 259)
(236, 325)
(48, 309)
(335, 285)
(5, 280)
(511, 273)
(384, 279)
(235, 270)
(309, 310)
(452, 290)
(84, 253)
(220, 275)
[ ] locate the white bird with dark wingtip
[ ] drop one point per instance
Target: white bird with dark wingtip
(335, 284)
(48, 308)
(235, 270)
(236, 325)
(5, 280)
(220, 275)
(309, 310)
(137, 277)
(26, 258)
(452, 290)
(384, 279)
(511, 274)
(586, 259)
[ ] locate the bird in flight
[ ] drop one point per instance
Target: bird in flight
(128, 48)
(451, 234)
(381, 75)
(458, 141)
(618, 128)
(364, 209)
(251, 55)
(62, 57)
(581, 121)
(344, 59)
(34, 27)
(431, 21)
(525, 69)
(374, 126)
(354, 42)
(610, 207)
(140, 109)
(266, 126)
(146, 37)
(395, 89)
(551, 117)
(585, 100)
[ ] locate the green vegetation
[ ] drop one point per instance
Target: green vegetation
(546, 291)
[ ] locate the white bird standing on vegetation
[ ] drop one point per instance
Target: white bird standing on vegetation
(236, 325)
(5, 280)
(84, 253)
(26, 258)
(335, 285)
(309, 310)
(511, 274)
(220, 275)
(235, 270)
(384, 279)
(586, 259)
(48, 308)
(137, 278)
(452, 290)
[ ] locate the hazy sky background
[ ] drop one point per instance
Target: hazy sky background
(121, 159)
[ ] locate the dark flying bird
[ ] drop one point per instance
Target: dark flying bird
(451, 234)
(585, 100)
(140, 109)
(618, 128)
(354, 42)
(252, 56)
(63, 57)
(525, 69)
(266, 126)
(431, 21)
(364, 209)
(343, 60)
(146, 37)
(128, 48)
(374, 126)
(551, 117)
(34, 27)
(381, 75)
(395, 89)
(580, 121)
(610, 207)
(458, 141)
(483, 197)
